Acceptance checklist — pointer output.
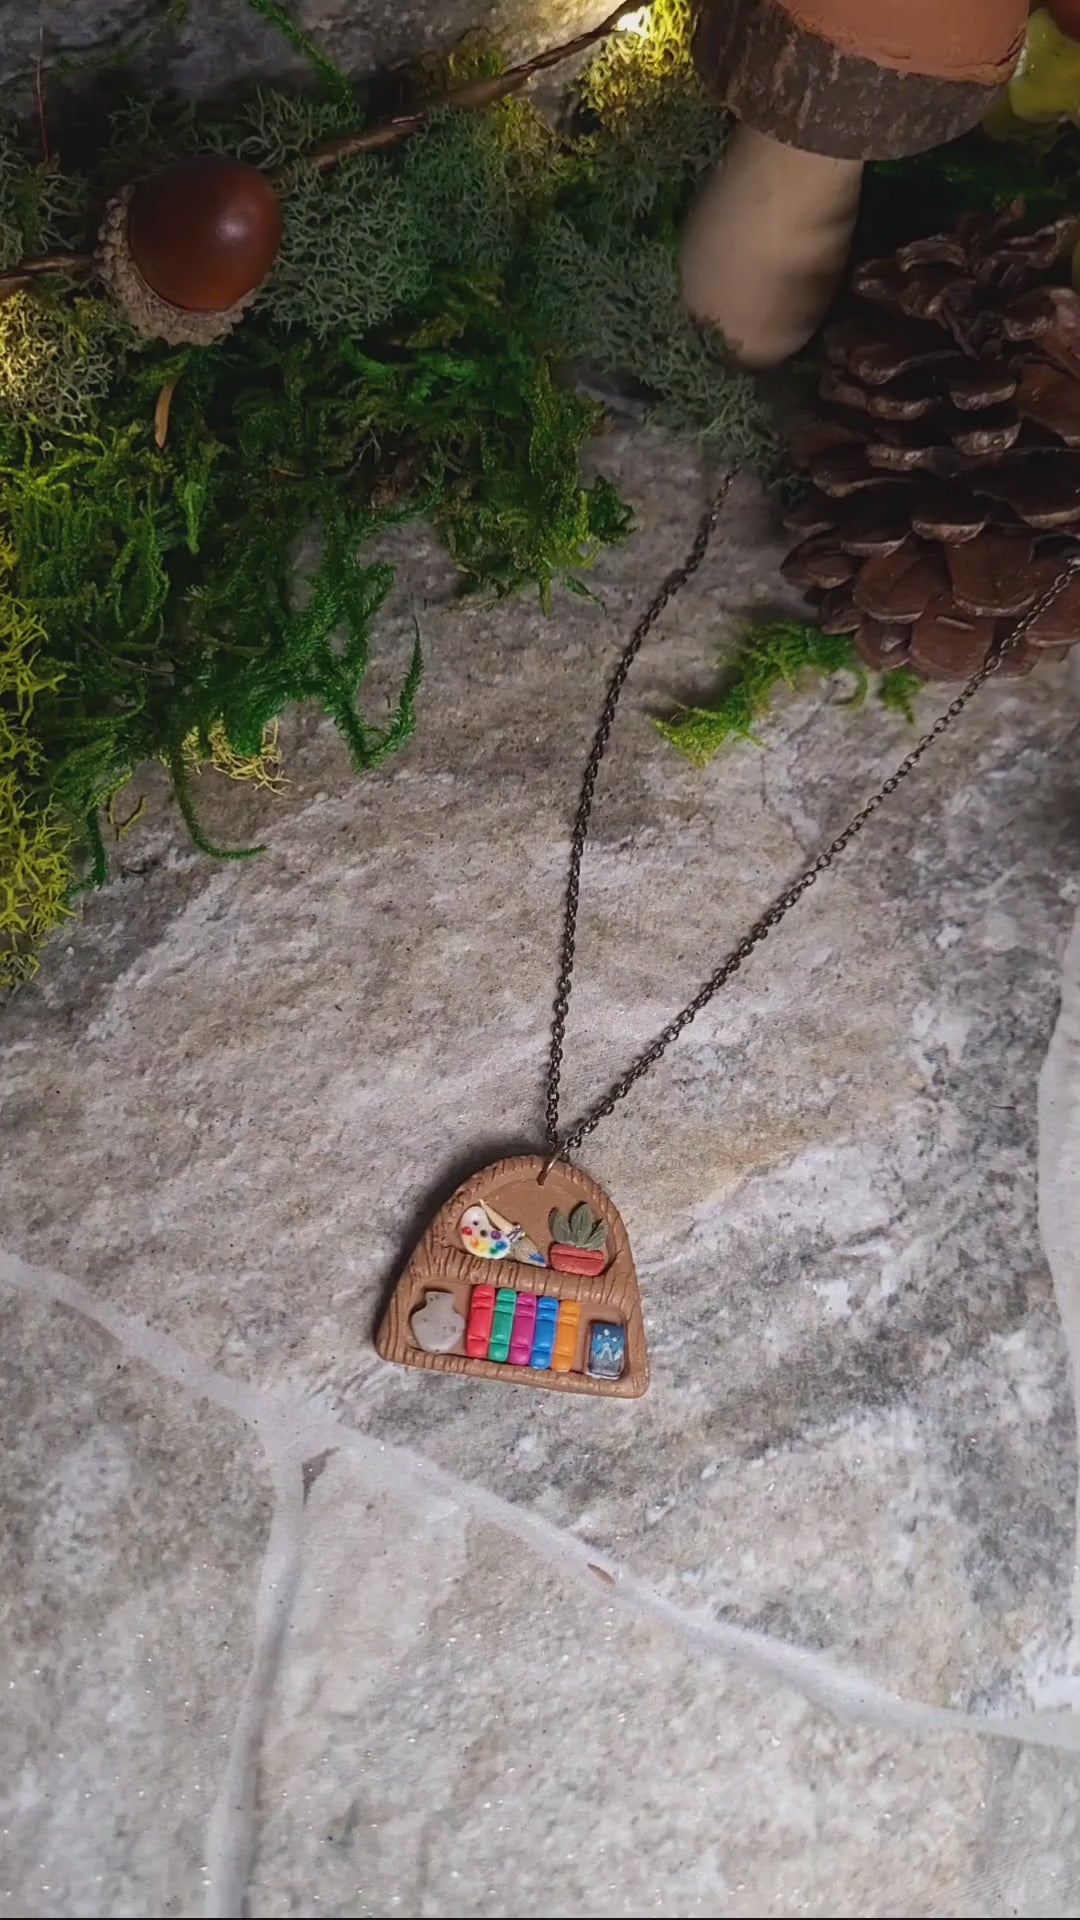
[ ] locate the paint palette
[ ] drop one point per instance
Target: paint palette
(568, 1316)
(486, 1235)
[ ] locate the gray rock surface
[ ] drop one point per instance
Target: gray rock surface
(793, 1635)
(206, 44)
(135, 1526)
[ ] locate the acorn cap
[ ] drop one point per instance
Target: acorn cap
(859, 79)
(151, 316)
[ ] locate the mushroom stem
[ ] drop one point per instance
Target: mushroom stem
(766, 243)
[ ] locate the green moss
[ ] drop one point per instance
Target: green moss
(930, 192)
(615, 305)
(657, 130)
(36, 879)
(602, 268)
(336, 82)
(56, 366)
(899, 691)
(769, 657)
(408, 356)
(35, 839)
(353, 253)
(476, 411)
(766, 659)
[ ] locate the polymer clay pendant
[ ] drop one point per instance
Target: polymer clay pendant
(527, 1281)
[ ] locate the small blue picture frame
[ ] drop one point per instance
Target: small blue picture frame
(607, 1351)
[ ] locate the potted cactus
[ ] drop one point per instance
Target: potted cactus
(579, 1241)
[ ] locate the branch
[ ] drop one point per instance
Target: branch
(25, 272)
(472, 96)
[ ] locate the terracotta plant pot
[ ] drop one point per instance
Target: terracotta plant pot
(578, 1241)
(580, 1260)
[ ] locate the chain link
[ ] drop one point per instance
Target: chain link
(674, 581)
(561, 1150)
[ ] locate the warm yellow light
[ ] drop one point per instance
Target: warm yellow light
(635, 20)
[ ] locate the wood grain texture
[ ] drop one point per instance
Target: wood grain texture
(953, 39)
(441, 1263)
(802, 89)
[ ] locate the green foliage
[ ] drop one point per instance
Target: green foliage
(657, 129)
(269, 128)
(778, 655)
(55, 366)
(928, 193)
(353, 253)
(35, 840)
(615, 304)
(476, 181)
(577, 236)
(335, 81)
(375, 235)
(40, 205)
(769, 657)
(633, 71)
(602, 273)
(898, 691)
(167, 579)
(498, 440)
(580, 1228)
(406, 357)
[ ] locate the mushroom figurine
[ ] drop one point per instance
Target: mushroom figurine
(819, 87)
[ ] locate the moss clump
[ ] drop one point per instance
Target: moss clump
(56, 364)
(35, 839)
(404, 358)
(778, 654)
(408, 356)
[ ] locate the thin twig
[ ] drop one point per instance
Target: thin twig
(40, 92)
(25, 272)
(471, 96)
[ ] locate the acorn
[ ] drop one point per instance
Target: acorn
(184, 251)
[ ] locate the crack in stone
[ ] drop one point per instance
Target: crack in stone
(290, 1432)
(230, 1839)
(298, 1442)
(1059, 1181)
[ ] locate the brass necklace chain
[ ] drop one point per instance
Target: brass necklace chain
(561, 1149)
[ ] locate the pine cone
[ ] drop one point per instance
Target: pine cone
(946, 474)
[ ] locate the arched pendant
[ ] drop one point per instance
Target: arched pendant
(529, 1283)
